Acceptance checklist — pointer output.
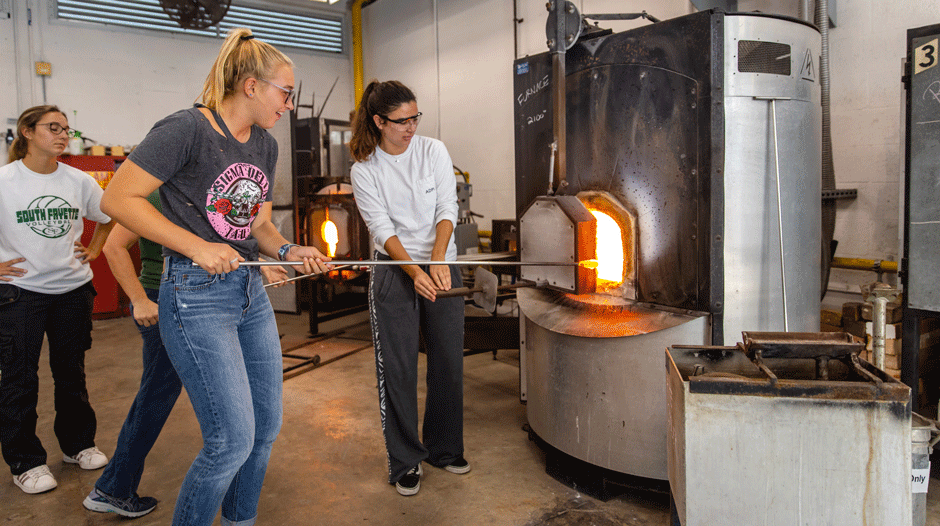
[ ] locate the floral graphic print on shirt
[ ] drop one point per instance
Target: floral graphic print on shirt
(234, 199)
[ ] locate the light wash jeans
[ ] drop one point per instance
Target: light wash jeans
(221, 336)
(159, 388)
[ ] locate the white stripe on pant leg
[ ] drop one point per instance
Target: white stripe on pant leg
(379, 366)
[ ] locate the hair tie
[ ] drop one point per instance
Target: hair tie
(247, 37)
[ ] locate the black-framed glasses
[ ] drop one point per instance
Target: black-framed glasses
(288, 92)
(57, 128)
(406, 121)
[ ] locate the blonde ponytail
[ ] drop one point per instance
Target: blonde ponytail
(241, 57)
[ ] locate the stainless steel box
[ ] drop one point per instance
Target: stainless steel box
(743, 449)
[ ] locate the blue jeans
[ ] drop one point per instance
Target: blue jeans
(159, 388)
(221, 336)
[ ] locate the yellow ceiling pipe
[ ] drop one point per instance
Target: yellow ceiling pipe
(873, 265)
(357, 47)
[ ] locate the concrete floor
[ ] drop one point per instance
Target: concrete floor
(328, 465)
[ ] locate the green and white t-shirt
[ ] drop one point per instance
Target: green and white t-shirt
(42, 219)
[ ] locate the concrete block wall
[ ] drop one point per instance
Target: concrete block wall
(866, 52)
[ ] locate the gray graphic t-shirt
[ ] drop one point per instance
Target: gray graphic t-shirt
(213, 186)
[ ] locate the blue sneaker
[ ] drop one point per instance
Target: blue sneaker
(130, 507)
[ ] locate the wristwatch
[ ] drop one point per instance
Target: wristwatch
(285, 248)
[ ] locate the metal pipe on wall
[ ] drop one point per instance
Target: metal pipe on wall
(20, 106)
(828, 169)
(357, 48)
(878, 329)
(874, 265)
(805, 10)
(558, 46)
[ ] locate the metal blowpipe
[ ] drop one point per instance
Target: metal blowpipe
(588, 263)
(341, 265)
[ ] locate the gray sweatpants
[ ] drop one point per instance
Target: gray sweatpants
(398, 316)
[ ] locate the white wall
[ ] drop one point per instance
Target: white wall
(120, 82)
(460, 67)
(475, 46)
(866, 50)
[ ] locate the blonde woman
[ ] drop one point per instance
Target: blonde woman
(214, 165)
(46, 290)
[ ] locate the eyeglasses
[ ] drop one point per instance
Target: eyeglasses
(289, 92)
(407, 121)
(57, 128)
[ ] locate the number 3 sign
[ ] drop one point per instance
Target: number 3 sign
(925, 57)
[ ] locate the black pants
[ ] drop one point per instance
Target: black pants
(24, 318)
(400, 317)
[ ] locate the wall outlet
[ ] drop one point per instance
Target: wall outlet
(6, 8)
(10, 122)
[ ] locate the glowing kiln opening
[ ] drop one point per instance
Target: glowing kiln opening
(609, 250)
(330, 236)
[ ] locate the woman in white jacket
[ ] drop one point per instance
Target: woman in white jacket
(406, 192)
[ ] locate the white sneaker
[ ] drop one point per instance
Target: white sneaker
(36, 480)
(91, 458)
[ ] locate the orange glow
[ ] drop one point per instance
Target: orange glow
(609, 249)
(330, 236)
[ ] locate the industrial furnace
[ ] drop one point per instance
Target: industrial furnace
(694, 145)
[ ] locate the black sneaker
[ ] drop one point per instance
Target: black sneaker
(133, 506)
(459, 466)
(410, 483)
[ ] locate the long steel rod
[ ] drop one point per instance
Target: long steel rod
(302, 276)
(467, 291)
(783, 265)
(371, 263)
(345, 264)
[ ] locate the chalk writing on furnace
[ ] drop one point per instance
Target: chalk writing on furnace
(537, 87)
(535, 118)
(933, 90)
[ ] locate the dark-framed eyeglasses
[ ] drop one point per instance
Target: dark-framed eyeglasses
(57, 128)
(406, 121)
(288, 92)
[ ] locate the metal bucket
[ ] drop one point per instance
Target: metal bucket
(922, 431)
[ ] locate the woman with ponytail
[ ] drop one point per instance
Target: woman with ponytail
(406, 192)
(46, 290)
(214, 167)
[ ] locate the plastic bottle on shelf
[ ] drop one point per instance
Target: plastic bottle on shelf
(10, 137)
(76, 144)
